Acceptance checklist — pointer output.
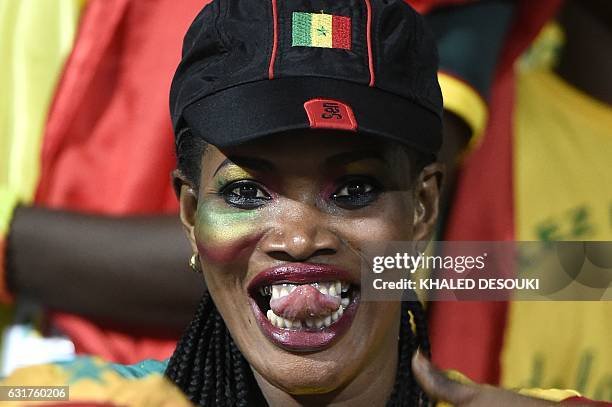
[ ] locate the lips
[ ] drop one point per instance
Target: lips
(303, 306)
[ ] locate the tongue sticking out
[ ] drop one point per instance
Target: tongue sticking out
(305, 301)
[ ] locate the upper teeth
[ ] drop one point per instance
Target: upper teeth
(334, 288)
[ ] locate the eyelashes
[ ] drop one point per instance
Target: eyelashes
(356, 192)
(350, 193)
(245, 194)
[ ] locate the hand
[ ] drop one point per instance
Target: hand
(442, 388)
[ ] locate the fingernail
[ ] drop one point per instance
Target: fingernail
(418, 357)
(421, 360)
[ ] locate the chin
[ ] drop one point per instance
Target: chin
(306, 376)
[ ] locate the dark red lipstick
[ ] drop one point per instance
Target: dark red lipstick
(304, 338)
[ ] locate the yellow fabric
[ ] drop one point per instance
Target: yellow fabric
(464, 101)
(321, 30)
(563, 191)
(549, 394)
(8, 202)
(153, 390)
(35, 39)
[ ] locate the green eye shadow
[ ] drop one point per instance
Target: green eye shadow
(228, 174)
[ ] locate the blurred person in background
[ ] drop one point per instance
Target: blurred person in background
(543, 173)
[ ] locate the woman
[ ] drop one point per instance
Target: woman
(304, 130)
(299, 138)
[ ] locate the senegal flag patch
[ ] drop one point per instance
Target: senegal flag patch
(321, 30)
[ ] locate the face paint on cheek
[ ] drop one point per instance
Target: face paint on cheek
(223, 233)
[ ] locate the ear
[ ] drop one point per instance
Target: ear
(188, 202)
(427, 196)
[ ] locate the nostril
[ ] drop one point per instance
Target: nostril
(288, 257)
(281, 255)
(324, 252)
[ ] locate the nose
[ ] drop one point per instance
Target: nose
(303, 235)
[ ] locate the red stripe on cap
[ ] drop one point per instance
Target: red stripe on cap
(369, 35)
(341, 32)
(275, 41)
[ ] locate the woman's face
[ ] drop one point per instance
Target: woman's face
(279, 225)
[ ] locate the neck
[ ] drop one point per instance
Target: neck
(371, 387)
(586, 62)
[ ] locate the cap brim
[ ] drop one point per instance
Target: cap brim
(257, 109)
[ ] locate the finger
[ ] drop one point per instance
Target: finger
(437, 385)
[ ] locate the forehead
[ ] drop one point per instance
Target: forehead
(311, 147)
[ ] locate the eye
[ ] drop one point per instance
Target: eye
(245, 195)
(356, 193)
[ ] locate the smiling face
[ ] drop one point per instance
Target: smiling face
(279, 224)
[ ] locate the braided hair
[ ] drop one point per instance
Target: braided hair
(210, 369)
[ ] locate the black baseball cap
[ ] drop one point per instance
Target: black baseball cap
(251, 68)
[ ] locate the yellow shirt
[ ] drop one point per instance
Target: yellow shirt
(563, 191)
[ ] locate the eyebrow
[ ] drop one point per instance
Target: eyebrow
(258, 164)
(255, 164)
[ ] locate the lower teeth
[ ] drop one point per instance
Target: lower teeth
(311, 323)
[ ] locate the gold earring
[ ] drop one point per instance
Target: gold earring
(194, 263)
